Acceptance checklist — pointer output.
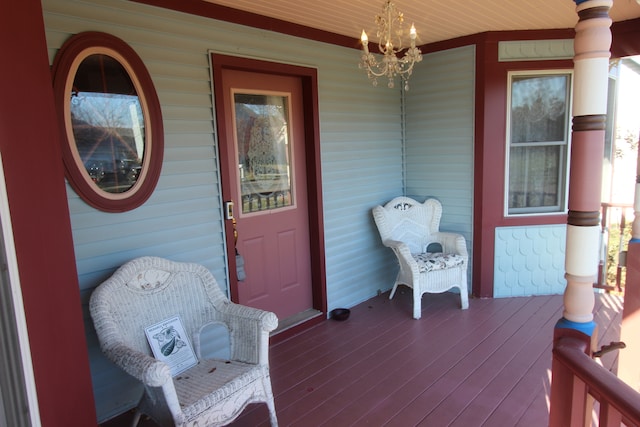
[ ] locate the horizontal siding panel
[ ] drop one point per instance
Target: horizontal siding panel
(179, 236)
(180, 111)
(358, 159)
(190, 140)
(204, 127)
(99, 234)
(177, 71)
(181, 84)
(89, 240)
(200, 256)
(440, 128)
(169, 247)
(187, 99)
(184, 180)
(369, 178)
(84, 215)
(371, 140)
(186, 61)
(197, 168)
(161, 198)
(188, 153)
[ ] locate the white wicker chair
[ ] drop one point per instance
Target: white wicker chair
(148, 290)
(430, 260)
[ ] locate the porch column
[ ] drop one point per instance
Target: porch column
(591, 69)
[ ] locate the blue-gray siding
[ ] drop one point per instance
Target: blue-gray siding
(439, 136)
(361, 149)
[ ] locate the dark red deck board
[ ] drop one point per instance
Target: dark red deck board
(496, 383)
(532, 388)
(387, 389)
(428, 389)
(485, 366)
(362, 387)
(367, 362)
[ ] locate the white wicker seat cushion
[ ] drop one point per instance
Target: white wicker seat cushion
(225, 377)
(437, 261)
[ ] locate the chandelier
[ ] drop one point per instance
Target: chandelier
(390, 45)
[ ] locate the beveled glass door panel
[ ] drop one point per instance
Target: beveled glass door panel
(262, 135)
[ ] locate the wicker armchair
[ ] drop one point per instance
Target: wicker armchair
(430, 260)
(148, 290)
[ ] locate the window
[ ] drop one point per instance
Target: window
(113, 139)
(538, 139)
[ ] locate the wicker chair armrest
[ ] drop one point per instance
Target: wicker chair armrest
(266, 320)
(452, 243)
(249, 328)
(403, 255)
(395, 244)
(148, 370)
(401, 250)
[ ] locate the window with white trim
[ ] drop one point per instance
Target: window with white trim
(538, 129)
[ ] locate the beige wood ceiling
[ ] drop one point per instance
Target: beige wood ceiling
(435, 20)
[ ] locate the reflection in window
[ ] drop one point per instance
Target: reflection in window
(538, 141)
(262, 138)
(108, 124)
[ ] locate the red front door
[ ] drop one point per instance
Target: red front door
(264, 133)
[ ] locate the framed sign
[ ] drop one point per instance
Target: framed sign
(169, 343)
(113, 138)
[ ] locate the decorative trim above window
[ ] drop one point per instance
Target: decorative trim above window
(109, 112)
(535, 50)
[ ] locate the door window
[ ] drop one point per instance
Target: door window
(263, 146)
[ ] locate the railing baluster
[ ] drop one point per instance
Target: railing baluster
(608, 218)
(620, 251)
(580, 403)
(609, 416)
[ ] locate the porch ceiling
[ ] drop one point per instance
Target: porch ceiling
(435, 20)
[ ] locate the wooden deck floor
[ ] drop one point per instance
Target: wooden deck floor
(485, 366)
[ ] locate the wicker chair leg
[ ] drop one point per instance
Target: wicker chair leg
(464, 299)
(417, 304)
(136, 418)
(272, 414)
(393, 291)
(464, 292)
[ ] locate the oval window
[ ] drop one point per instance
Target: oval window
(111, 120)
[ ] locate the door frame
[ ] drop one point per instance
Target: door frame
(309, 80)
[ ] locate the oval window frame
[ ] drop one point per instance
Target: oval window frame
(64, 69)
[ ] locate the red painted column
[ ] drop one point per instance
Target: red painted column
(591, 66)
(34, 176)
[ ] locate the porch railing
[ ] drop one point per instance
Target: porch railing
(613, 221)
(576, 376)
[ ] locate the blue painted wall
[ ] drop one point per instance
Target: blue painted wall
(361, 153)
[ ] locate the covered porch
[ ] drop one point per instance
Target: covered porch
(489, 365)
(379, 366)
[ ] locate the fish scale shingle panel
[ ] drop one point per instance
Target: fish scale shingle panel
(529, 260)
